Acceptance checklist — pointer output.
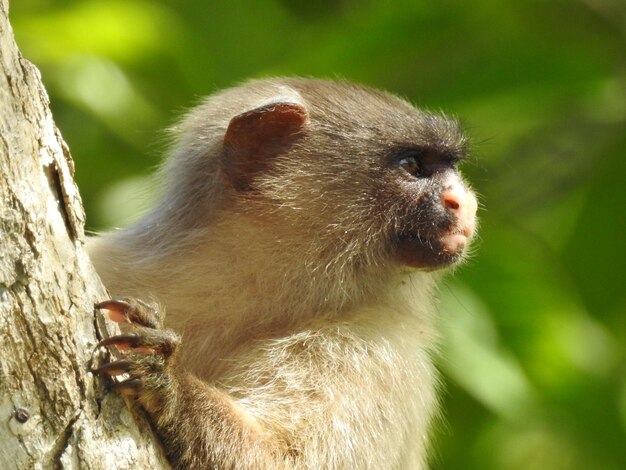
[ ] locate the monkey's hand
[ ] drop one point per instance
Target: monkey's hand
(198, 424)
(144, 370)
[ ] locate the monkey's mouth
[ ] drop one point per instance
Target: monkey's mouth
(432, 252)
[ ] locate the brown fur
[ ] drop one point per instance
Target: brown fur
(305, 343)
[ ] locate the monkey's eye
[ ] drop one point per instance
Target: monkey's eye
(410, 164)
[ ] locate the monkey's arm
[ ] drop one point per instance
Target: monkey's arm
(202, 428)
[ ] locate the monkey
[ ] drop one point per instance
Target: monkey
(302, 230)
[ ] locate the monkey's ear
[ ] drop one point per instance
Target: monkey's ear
(253, 137)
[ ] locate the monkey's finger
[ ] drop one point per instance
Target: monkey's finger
(115, 368)
(125, 343)
(147, 342)
(131, 311)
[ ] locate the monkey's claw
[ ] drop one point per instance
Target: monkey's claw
(121, 341)
(115, 368)
(131, 311)
(145, 341)
(128, 387)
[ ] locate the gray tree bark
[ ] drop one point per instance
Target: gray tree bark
(53, 412)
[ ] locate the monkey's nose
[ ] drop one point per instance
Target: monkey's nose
(451, 201)
(462, 203)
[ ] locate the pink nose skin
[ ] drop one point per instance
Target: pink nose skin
(462, 203)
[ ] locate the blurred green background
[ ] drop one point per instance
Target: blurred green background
(534, 327)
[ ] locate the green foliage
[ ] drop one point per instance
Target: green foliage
(533, 351)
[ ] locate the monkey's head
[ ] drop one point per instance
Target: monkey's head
(348, 175)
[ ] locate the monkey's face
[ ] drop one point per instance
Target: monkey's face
(379, 203)
(434, 210)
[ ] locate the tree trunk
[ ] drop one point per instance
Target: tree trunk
(53, 412)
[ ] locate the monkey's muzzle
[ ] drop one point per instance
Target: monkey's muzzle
(442, 244)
